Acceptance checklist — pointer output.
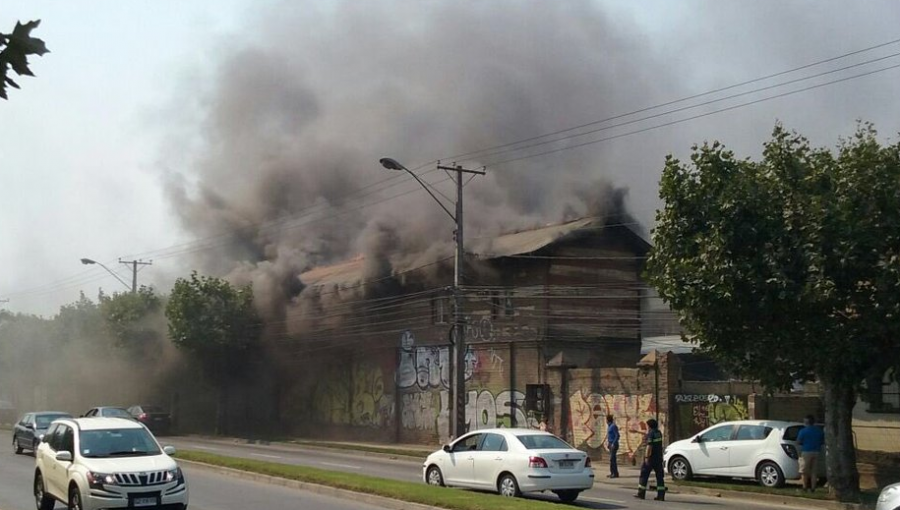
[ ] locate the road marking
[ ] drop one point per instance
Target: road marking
(266, 456)
(602, 500)
(348, 466)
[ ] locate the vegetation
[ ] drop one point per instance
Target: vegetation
(218, 324)
(14, 55)
(404, 491)
(787, 268)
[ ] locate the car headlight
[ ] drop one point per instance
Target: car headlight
(887, 493)
(174, 474)
(98, 480)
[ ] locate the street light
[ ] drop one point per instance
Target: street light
(88, 262)
(458, 369)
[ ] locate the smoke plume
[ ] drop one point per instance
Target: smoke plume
(289, 127)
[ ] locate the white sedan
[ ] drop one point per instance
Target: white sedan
(511, 461)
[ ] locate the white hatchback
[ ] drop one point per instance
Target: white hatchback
(511, 461)
(764, 450)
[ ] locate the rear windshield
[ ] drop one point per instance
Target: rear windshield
(44, 420)
(790, 433)
(543, 442)
(134, 442)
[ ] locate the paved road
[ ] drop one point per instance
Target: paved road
(209, 491)
(603, 496)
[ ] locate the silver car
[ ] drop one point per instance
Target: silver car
(889, 499)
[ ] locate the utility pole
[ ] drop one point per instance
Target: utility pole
(134, 270)
(458, 357)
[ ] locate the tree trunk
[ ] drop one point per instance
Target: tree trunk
(222, 409)
(843, 476)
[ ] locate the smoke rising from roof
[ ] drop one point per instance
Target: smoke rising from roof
(296, 120)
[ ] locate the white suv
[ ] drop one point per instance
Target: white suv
(94, 463)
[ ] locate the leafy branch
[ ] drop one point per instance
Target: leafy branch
(14, 55)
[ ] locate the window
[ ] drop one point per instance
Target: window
(52, 438)
(543, 442)
(717, 434)
(493, 443)
(439, 310)
(129, 442)
(43, 420)
(496, 305)
(752, 432)
(66, 439)
(508, 309)
(467, 443)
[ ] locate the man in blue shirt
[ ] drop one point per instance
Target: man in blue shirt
(811, 439)
(612, 444)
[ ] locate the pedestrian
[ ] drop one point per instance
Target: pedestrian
(811, 439)
(612, 444)
(653, 461)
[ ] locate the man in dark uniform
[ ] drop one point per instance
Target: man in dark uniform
(653, 461)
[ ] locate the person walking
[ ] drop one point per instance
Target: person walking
(811, 439)
(653, 461)
(612, 444)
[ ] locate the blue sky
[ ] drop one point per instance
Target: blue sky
(87, 146)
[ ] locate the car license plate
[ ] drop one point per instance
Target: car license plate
(144, 501)
(566, 464)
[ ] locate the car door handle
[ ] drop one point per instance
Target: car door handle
(470, 458)
(498, 458)
(723, 447)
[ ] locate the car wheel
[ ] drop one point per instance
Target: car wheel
(75, 499)
(41, 499)
(770, 475)
(680, 469)
(508, 486)
(567, 496)
(434, 476)
(16, 447)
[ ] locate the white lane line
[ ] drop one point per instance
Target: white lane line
(207, 448)
(348, 466)
(265, 456)
(602, 500)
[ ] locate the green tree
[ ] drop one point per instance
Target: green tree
(788, 268)
(218, 323)
(135, 321)
(16, 48)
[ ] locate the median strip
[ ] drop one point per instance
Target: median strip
(392, 489)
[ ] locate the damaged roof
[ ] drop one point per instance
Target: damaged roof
(351, 272)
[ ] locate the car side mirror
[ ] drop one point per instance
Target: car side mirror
(169, 450)
(64, 456)
(30, 426)
(447, 448)
(698, 439)
(41, 438)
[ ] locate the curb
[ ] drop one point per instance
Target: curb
(325, 490)
(770, 498)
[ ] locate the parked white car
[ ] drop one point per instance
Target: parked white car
(94, 463)
(760, 449)
(511, 461)
(889, 499)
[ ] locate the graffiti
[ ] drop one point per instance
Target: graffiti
(694, 413)
(479, 328)
(631, 412)
(430, 410)
(364, 403)
(429, 367)
(496, 361)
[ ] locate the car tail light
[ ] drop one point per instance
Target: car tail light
(587, 462)
(790, 450)
(142, 416)
(537, 462)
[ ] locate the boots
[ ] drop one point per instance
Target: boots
(660, 496)
(642, 493)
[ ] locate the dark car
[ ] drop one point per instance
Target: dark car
(154, 417)
(28, 431)
(108, 412)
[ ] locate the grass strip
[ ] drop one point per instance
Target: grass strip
(821, 494)
(386, 450)
(404, 491)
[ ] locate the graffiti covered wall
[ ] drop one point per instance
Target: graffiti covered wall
(694, 413)
(354, 394)
(588, 418)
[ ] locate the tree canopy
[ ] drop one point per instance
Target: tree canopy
(788, 268)
(14, 55)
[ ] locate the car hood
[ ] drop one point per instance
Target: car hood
(129, 464)
(678, 445)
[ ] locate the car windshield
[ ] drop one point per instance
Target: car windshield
(543, 442)
(43, 421)
(117, 443)
(115, 411)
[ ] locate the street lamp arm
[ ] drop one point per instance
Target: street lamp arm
(108, 270)
(393, 164)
